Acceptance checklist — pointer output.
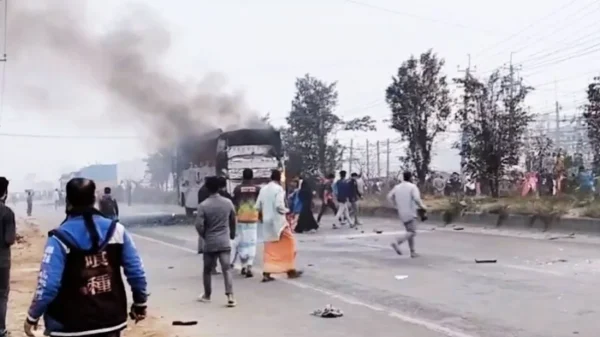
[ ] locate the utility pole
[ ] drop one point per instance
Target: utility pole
(368, 170)
(557, 120)
(378, 161)
(351, 155)
(387, 161)
(464, 136)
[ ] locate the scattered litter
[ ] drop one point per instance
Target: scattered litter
(458, 228)
(328, 312)
(570, 236)
(310, 265)
(557, 261)
(185, 323)
(401, 277)
(378, 231)
(485, 261)
(170, 267)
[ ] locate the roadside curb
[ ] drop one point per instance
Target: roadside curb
(511, 221)
(477, 220)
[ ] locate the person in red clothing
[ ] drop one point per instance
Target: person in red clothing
(326, 197)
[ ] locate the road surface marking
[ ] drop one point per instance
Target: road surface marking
(348, 299)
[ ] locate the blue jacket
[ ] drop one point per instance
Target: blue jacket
(344, 190)
(55, 256)
(295, 203)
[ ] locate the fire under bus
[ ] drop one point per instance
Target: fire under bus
(257, 149)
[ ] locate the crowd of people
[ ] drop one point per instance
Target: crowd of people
(80, 289)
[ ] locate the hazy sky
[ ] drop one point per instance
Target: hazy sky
(260, 47)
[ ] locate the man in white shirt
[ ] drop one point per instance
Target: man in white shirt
(407, 200)
(56, 198)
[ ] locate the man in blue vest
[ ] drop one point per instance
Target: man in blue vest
(80, 291)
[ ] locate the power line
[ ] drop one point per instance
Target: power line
(584, 52)
(526, 28)
(568, 20)
(419, 17)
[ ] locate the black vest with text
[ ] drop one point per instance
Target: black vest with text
(92, 295)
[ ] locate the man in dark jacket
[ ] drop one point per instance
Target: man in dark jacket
(108, 205)
(29, 202)
(7, 239)
(326, 196)
(80, 291)
(203, 194)
(353, 199)
(216, 224)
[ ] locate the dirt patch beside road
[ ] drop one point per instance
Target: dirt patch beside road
(26, 256)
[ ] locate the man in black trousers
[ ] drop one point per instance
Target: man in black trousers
(8, 235)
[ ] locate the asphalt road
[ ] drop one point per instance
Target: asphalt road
(538, 287)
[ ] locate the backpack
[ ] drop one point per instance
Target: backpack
(107, 206)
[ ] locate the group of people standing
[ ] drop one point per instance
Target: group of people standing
(80, 289)
(227, 226)
(340, 196)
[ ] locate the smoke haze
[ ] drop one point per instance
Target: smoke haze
(59, 57)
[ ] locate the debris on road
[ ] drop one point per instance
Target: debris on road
(377, 231)
(401, 277)
(184, 323)
(328, 312)
(570, 236)
(557, 261)
(458, 228)
(485, 261)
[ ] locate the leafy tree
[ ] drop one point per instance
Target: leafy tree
(420, 103)
(159, 166)
(313, 124)
(493, 120)
(591, 117)
(541, 147)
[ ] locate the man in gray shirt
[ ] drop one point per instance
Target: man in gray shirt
(216, 223)
(7, 239)
(407, 200)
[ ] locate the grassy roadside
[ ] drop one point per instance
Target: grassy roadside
(26, 257)
(571, 205)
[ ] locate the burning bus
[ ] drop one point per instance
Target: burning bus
(226, 154)
(257, 149)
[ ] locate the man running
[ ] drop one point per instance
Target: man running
(80, 290)
(244, 244)
(407, 200)
(216, 224)
(326, 197)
